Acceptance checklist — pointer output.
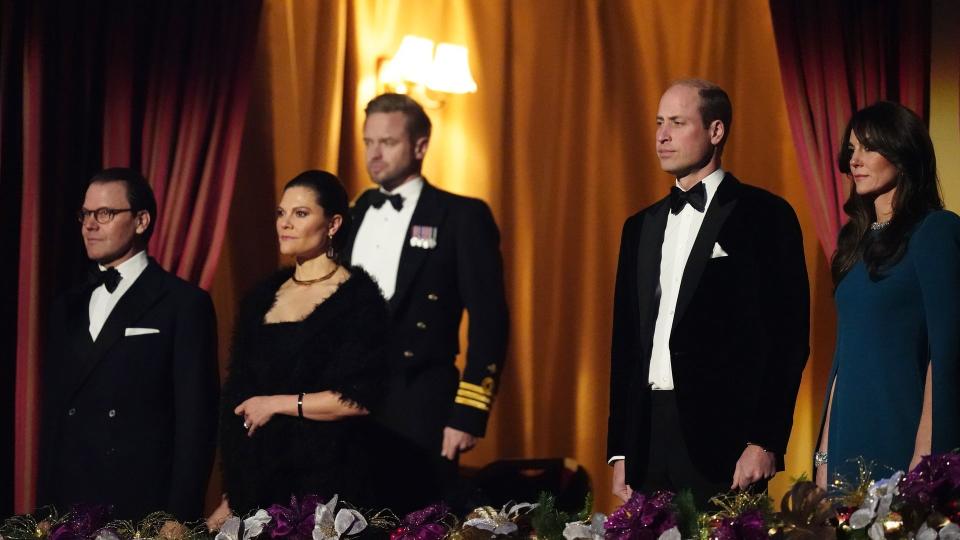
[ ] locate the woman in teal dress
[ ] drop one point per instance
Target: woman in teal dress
(892, 395)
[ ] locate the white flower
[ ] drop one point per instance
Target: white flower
(926, 533)
(670, 534)
(346, 522)
(253, 525)
(102, 534)
(950, 532)
(876, 505)
(501, 522)
(875, 532)
(230, 530)
(578, 530)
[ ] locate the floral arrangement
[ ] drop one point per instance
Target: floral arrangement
(923, 504)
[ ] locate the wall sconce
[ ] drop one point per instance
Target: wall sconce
(420, 72)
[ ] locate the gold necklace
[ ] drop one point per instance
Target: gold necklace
(318, 280)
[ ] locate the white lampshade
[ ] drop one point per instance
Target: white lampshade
(451, 71)
(413, 60)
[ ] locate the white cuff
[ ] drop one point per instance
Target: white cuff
(614, 459)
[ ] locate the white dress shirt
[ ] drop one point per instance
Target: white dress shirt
(382, 234)
(678, 238)
(103, 301)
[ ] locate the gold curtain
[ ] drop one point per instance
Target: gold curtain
(559, 140)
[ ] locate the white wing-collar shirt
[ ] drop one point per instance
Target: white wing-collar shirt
(678, 238)
(103, 301)
(381, 236)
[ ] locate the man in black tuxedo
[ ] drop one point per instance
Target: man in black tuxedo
(711, 309)
(130, 370)
(433, 254)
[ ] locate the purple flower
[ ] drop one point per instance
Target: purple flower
(82, 522)
(642, 517)
(746, 526)
(294, 522)
(425, 524)
(935, 479)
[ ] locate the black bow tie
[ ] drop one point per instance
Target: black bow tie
(109, 278)
(696, 196)
(377, 198)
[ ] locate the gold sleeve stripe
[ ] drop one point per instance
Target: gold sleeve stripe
(471, 403)
(475, 388)
(473, 395)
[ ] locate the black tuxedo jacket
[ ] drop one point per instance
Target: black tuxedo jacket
(740, 332)
(130, 420)
(434, 285)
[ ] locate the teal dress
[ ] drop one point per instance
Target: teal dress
(889, 331)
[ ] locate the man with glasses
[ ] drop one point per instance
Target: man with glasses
(130, 385)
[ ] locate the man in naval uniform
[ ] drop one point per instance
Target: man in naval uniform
(433, 254)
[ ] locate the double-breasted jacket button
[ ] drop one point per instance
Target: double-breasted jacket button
(71, 412)
(111, 413)
(408, 354)
(432, 297)
(421, 325)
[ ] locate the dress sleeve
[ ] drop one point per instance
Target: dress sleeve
(359, 371)
(936, 257)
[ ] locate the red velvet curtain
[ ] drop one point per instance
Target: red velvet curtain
(838, 57)
(157, 86)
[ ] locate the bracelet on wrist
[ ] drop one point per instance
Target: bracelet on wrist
(819, 458)
(300, 405)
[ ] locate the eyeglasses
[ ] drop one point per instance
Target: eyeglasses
(102, 215)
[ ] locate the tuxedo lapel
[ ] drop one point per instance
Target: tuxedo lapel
(723, 203)
(143, 294)
(649, 252)
(429, 212)
(76, 334)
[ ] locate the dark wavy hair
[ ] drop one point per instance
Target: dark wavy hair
(332, 197)
(901, 137)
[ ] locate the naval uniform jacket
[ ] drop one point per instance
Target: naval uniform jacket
(130, 420)
(463, 269)
(739, 340)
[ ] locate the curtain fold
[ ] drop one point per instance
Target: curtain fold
(836, 58)
(11, 170)
(161, 87)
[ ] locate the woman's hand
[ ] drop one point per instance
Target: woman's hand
(257, 411)
(219, 515)
(821, 477)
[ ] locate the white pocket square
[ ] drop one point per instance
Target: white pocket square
(140, 331)
(717, 251)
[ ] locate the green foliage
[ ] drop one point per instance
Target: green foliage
(688, 519)
(548, 522)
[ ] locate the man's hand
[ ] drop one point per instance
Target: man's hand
(754, 464)
(620, 487)
(456, 442)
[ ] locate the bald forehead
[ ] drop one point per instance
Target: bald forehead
(684, 93)
(680, 102)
